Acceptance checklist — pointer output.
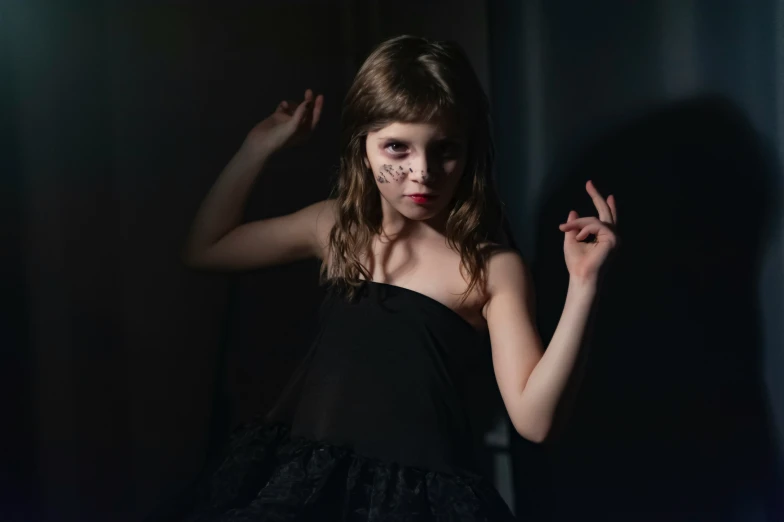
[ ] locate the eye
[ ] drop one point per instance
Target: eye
(396, 148)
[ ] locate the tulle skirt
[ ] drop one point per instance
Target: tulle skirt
(268, 475)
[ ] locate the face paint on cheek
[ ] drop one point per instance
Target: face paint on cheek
(382, 179)
(389, 169)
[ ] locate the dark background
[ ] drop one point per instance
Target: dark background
(121, 370)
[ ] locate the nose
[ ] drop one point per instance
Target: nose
(419, 172)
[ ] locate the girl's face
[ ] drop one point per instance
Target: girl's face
(416, 166)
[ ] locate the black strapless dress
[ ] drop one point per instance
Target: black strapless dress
(372, 427)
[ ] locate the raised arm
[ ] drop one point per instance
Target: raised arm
(532, 381)
(218, 240)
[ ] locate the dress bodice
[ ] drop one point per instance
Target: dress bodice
(384, 377)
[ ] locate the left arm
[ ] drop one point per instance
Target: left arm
(532, 382)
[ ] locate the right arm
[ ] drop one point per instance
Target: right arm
(219, 241)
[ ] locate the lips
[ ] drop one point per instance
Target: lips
(422, 198)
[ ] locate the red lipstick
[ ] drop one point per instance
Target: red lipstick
(422, 199)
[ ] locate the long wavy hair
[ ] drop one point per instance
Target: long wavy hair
(412, 80)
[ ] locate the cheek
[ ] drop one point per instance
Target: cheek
(390, 191)
(454, 172)
(456, 166)
(385, 173)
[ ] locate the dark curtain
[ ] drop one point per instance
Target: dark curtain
(123, 371)
(672, 107)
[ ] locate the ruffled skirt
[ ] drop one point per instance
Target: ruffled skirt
(268, 475)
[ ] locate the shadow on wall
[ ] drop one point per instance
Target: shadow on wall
(671, 419)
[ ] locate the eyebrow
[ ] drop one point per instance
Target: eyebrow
(455, 139)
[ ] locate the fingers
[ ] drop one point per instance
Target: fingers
(311, 109)
(577, 223)
(605, 214)
(308, 103)
(593, 228)
(300, 119)
(317, 106)
(601, 232)
(301, 113)
(571, 233)
(306, 114)
(580, 228)
(613, 209)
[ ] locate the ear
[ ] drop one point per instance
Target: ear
(366, 162)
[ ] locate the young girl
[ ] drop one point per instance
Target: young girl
(373, 426)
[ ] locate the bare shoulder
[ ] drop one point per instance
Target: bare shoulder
(507, 272)
(505, 266)
(323, 213)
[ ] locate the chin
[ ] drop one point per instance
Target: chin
(417, 213)
(419, 216)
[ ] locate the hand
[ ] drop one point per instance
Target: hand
(584, 259)
(291, 123)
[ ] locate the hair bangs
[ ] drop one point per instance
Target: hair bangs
(415, 100)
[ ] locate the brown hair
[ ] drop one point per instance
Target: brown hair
(411, 79)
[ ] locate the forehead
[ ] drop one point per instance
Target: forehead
(417, 131)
